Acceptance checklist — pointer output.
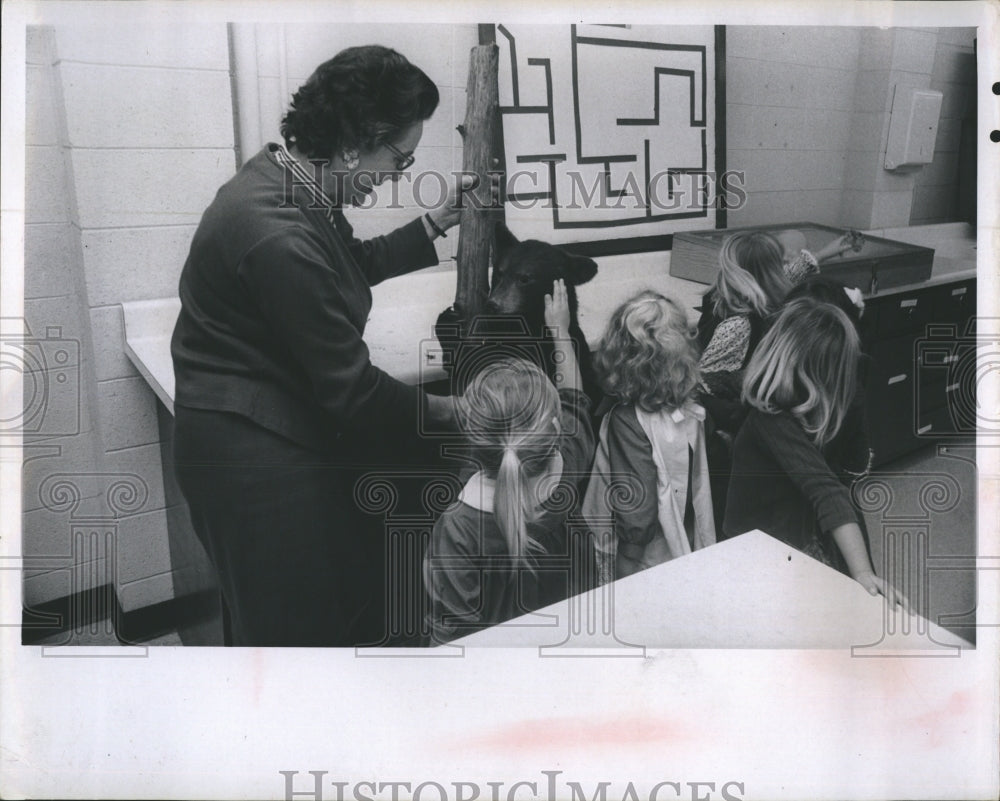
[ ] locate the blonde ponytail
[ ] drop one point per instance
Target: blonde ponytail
(512, 508)
(508, 415)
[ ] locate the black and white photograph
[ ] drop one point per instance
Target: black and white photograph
(489, 403)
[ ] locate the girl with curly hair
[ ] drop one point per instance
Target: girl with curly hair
(649, 498)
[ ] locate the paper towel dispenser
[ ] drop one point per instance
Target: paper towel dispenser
(913, 124)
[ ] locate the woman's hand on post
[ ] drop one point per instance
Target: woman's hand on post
(450, 212)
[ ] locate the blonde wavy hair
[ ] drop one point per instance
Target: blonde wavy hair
(648, 355)
(751, 275)
(510, 415)
(806, 365)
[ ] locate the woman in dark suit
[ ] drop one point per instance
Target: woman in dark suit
(277, 402)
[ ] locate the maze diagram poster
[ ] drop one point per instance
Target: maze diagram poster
(602, 162)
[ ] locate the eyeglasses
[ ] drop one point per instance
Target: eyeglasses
(403, 160)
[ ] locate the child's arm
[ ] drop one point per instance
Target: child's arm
(557, 318)
(808, 469)
(852, 240)
(852, 546)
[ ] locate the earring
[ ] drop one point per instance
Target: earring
(350, 158)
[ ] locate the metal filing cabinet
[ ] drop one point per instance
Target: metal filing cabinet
(921, 384)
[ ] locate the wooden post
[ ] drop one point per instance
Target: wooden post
(480, 133)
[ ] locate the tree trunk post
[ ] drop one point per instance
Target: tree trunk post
(480, 135)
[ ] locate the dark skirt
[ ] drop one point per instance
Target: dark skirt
(298, 564)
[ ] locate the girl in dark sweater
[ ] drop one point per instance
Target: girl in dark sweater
(799, 385)
(500, 550)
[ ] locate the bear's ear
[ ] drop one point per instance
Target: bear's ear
(505, 240)
(579, 270)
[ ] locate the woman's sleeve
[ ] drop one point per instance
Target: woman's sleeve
(453, 582)
(808, 470)
(401, 251)
(728, 346)
(299, 295)
(630, 454)
(577, 446)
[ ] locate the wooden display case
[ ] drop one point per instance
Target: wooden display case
(879, 264)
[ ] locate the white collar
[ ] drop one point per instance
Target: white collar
(480, 490)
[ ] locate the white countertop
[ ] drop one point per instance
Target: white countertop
(400, 330)
(752, 591)
(954, 247)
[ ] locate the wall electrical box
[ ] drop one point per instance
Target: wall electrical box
(913, 124)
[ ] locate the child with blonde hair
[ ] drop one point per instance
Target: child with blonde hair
(800, 384)
(533, 443)
(751, 285)
(649, 499)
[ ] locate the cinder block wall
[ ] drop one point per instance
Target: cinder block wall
(935, 191)
(62, 440)
(807, 116)
(789, 102)
(139, 121)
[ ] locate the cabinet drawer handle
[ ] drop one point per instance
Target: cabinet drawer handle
(949, 359)
(925, 428)
(908, 304)
(897, 378)
(951, 387)
(959, 291)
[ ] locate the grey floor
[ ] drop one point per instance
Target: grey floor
(925, 536)
(921, 523)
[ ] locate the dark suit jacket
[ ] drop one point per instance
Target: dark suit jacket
(274, 299)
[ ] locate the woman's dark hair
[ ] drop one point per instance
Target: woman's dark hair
(359, 98)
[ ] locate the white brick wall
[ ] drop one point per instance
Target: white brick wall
(808, 112)
(790, 97)
(149, 131)
(953, 72)
(130, 134)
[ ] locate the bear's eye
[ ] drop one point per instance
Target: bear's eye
(524, 280)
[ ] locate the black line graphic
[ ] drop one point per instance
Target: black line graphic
(550, 100)
(604, 161)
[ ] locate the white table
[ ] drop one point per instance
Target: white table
(752, 591)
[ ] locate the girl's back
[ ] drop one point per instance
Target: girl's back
(503, 549)
(650, 477)
(473, 580)
(782, 484)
